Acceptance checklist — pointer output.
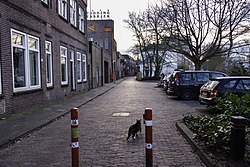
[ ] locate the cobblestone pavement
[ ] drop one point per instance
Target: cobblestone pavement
(103, 135)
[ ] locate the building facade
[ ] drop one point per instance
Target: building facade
(43, 51)
(101, 32)
(99, 66)
(130, 65)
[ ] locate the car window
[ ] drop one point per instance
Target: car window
(211, 84)
(229, 85)
(186, 77)
(202, 77)
(246, 83)
(240, 85)
(214, 75)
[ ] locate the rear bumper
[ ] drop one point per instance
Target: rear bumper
(170, 92)
(206, 101)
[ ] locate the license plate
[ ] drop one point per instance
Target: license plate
(204, 93)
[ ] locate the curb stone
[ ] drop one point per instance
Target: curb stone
(188, 135)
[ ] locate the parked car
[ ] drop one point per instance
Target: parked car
(166, 82)
(168, 78)
(160, 83)
(238, 85)
(187, 84)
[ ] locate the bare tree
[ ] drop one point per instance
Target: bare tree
(155, 25)
(147, 27)
(137, 25)
(202, 29)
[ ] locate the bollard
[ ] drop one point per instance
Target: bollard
(74, 137)
(237, 140)
(148, 137)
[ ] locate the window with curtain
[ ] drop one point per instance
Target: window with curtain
(64, 65)
(62, 8)
(26, 61)
(79, 67)
(48, 54)
(73, 12)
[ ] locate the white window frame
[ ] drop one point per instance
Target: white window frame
(72, 60)
(27, 60)
(49, 64)
(37, 50)
(63, 55)
(79, 67)
(63, 8)
(1, 79)
(45, 1)
(84, 68)
(81, 19)
(73, 12)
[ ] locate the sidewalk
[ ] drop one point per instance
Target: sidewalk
(24, 123)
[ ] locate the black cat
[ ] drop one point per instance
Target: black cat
(134, 129)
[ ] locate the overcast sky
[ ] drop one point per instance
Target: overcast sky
(118, 12)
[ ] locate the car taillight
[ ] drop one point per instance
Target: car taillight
(177, 81)
(214, 92)
(177, 77)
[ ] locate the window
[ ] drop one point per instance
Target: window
(214, 75)
(246, 83)
(64, 66)
(72, 69)
(73, 12)
(26, 61)
(84, 67)
(186, 77)
(62, 8)
(45, 1)
(240, 85)
(243, 84)
(0, 80)
(202, 77)
(48, 55)
(229, 85)
(79, 67)
(81, 19)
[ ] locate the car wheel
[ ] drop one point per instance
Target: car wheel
(187, 94)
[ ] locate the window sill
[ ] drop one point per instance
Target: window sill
(82, 32)
(81, 82)
(27, 92)
(63, 18)
(65, 85)
(45, 4)
(50, 87)
(73, 26)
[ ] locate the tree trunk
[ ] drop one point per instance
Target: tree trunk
(197, 65)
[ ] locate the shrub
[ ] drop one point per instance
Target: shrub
(231, 104)
(213, 131)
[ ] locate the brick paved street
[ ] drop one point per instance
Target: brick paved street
(102, 135)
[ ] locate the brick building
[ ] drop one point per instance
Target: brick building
(101, 32)
(99, 65)
(43, 51)
(130, 65)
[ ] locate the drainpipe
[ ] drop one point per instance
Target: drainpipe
(91, 62)
(102, 66)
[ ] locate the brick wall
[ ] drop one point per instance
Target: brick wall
(34, 18)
